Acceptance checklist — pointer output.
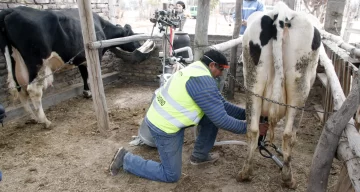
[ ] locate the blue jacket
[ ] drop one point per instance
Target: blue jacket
(249, 7)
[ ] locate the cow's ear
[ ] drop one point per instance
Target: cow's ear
(128, 31)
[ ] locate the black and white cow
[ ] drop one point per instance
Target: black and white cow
(280, 55)
(37, 42)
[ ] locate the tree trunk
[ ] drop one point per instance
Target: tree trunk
(290, 3)
(233, 53)
(334, 15)
(201, 28)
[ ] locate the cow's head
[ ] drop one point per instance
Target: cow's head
(133, 51)
(132, 46)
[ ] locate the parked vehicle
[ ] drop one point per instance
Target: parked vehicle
(193, 11)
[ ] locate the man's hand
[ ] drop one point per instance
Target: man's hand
(263, 127)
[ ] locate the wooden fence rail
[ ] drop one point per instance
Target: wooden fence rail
(344, 70)
(338, 80)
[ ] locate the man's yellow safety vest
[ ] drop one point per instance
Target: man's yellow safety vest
(172, 107)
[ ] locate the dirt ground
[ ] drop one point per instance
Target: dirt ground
(74, 156)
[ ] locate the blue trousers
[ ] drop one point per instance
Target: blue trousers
(170, 151)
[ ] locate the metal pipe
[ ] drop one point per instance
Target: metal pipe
(122, 40)
(189, 50)
(230, 142)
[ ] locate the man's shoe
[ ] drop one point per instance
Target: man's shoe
(212, 157)
(117, 161)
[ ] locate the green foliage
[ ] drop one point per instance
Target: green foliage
(153, 2)
(213, 4)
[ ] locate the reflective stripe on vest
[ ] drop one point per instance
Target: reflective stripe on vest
(166, 112)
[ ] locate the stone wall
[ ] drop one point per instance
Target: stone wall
(146, 72)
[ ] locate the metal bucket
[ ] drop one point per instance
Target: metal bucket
(181, 40)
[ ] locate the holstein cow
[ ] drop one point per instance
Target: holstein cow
(280, 55)
(36, 42)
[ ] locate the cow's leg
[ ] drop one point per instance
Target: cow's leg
(271, 131)
(35, 91)
(253, 111)
(24, 99)
(85, 76)
(288, 142)
(297, 90)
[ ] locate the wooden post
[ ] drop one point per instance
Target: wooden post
(327, 145)
(201, 28)
(227, 44)
(351, 180)
(290, 3)
(93, 65)
(340, 42)
(334, 15)
(233, 53)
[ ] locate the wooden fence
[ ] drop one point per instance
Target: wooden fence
(344, 70)
(338, 97)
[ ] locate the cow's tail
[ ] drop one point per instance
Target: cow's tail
(278, 93)
(5, 47)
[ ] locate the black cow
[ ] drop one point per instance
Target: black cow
(36, 42)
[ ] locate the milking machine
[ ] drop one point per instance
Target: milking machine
(176, 54)
(263, 144)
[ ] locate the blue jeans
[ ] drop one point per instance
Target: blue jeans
(170, 151)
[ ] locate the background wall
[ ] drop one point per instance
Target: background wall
(146, 72)
(102, 7)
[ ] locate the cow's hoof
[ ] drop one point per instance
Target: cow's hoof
(31, 121)
(290, 184)
(243, 177)
(47, 124)
(87, 94)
